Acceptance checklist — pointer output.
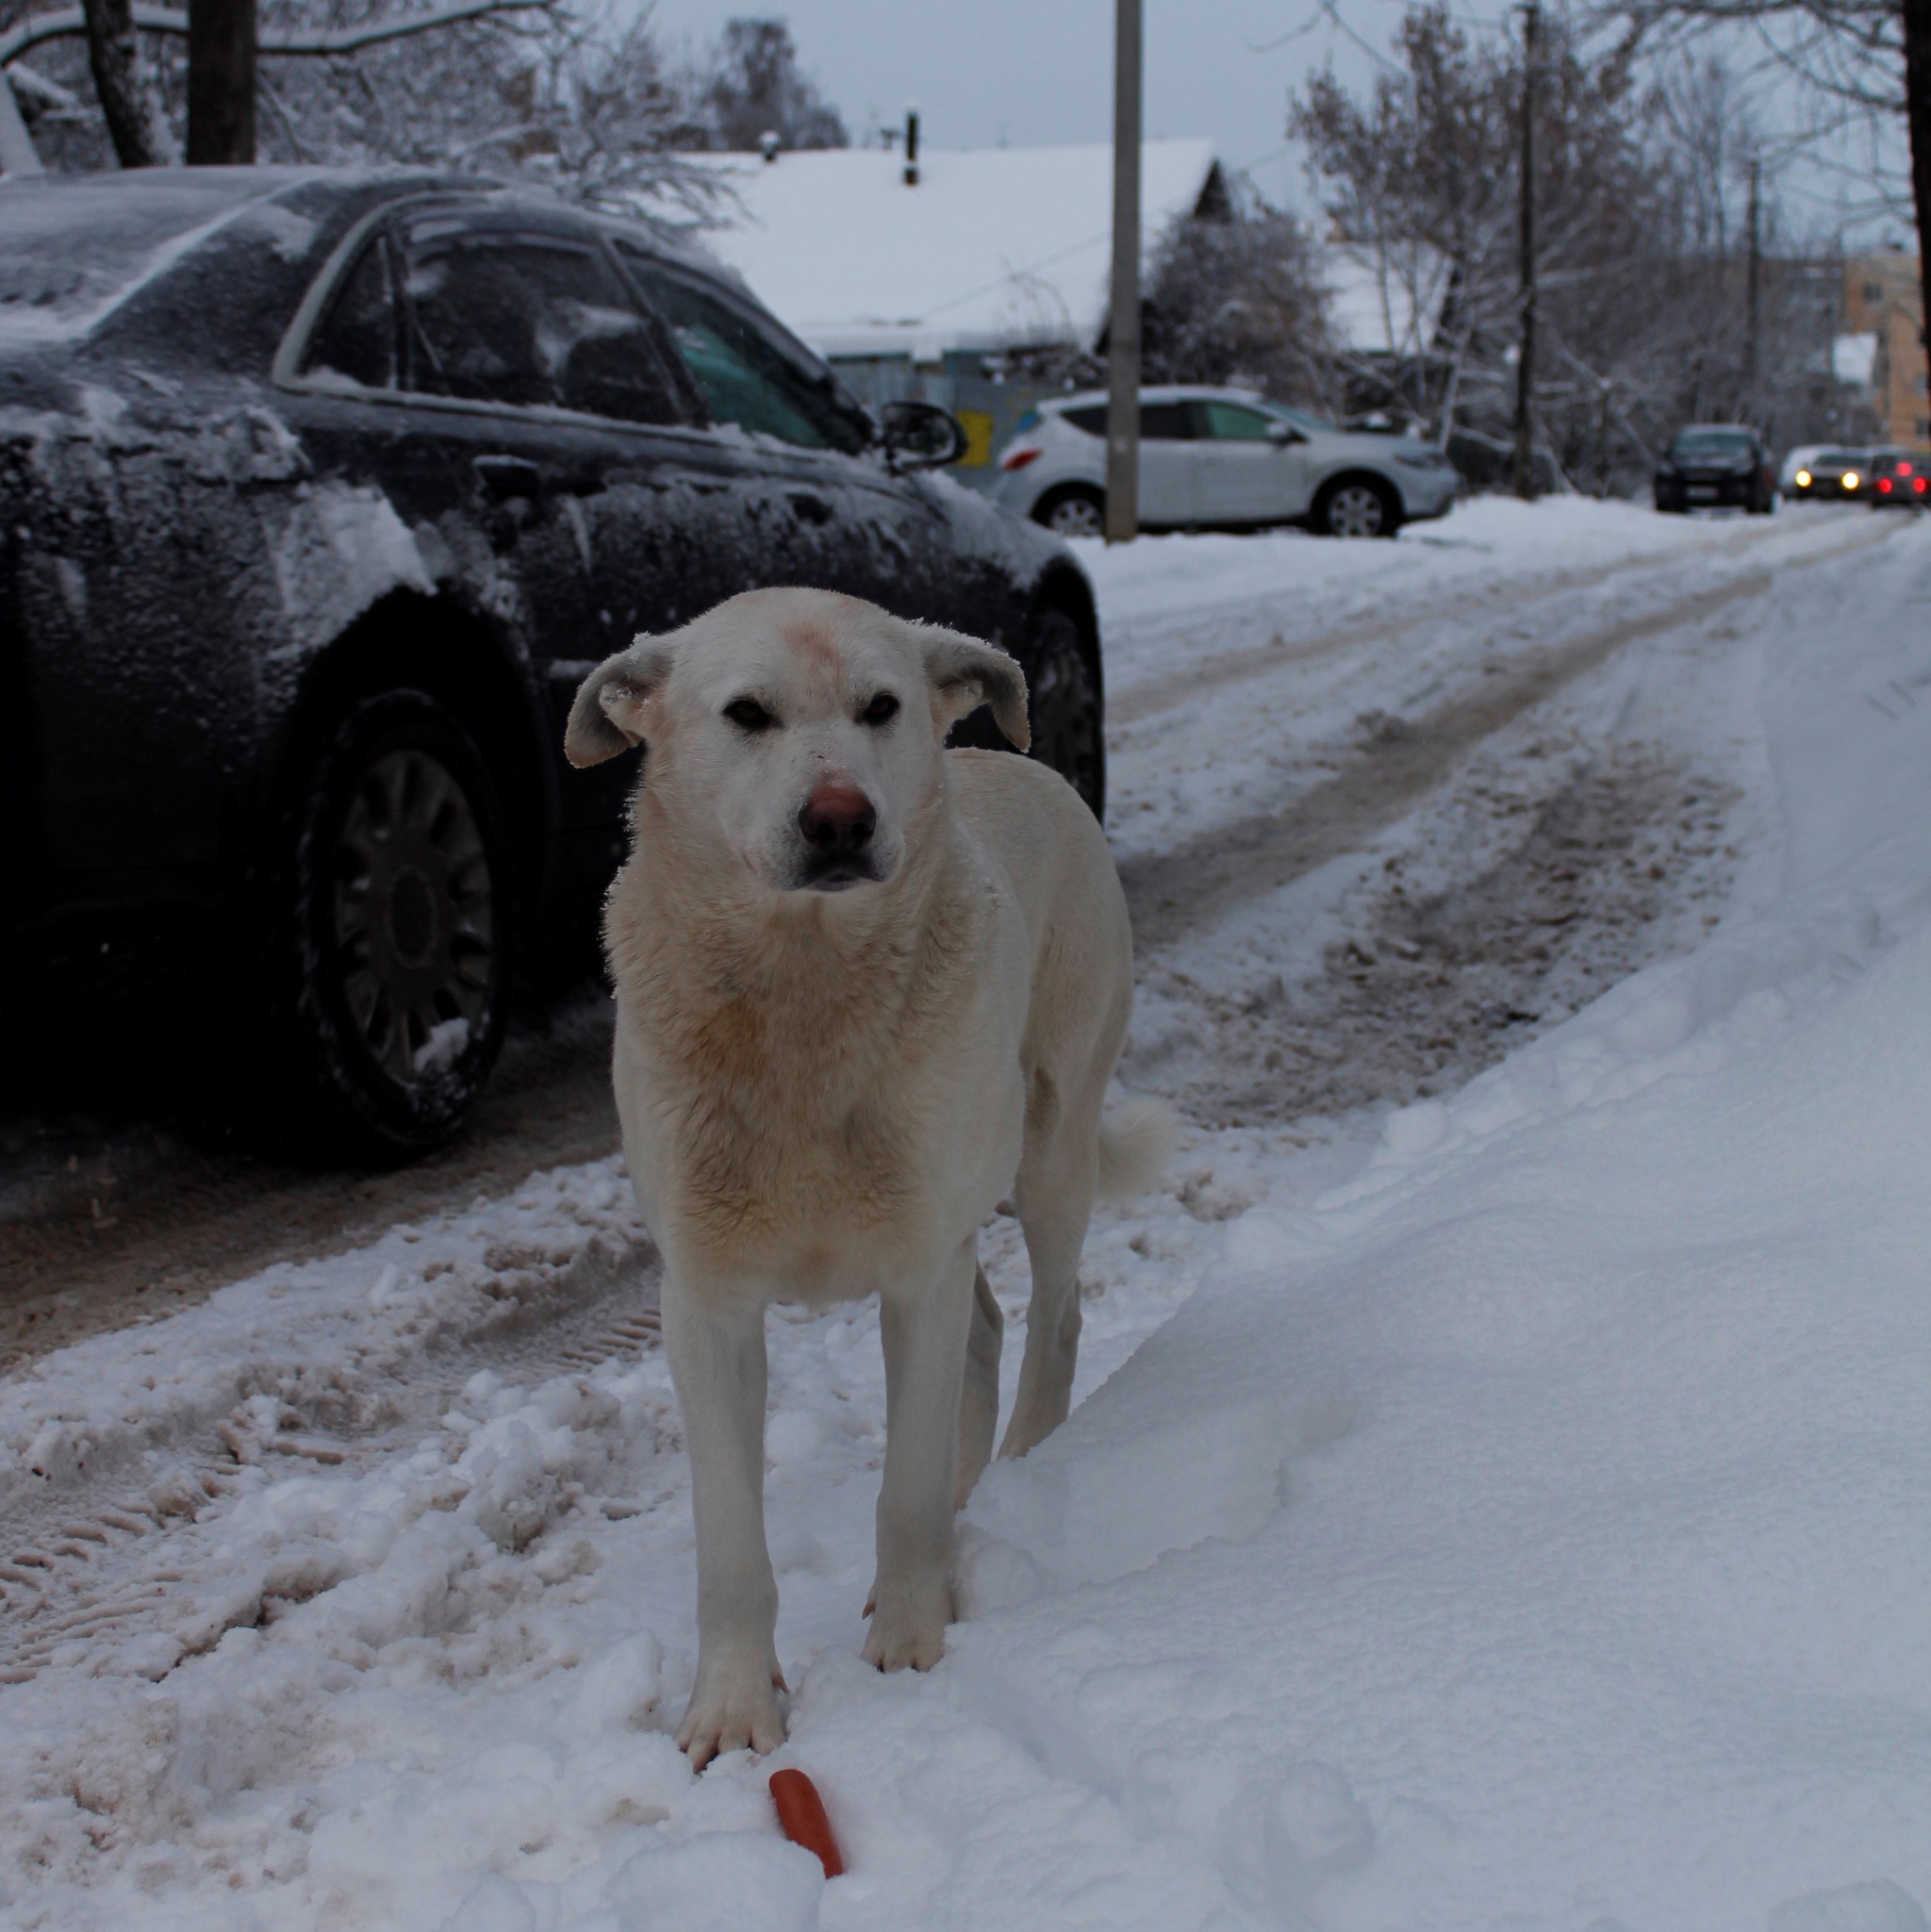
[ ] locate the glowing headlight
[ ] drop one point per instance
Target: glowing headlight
(1802, 479)
(1850, 479)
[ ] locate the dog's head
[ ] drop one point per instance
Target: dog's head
(796, 731)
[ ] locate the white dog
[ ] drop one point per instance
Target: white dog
(868, 990)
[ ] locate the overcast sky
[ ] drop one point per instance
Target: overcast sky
(1035, 72)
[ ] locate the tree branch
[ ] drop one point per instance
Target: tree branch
(62, 22)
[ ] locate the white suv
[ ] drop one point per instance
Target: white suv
(1221, 459)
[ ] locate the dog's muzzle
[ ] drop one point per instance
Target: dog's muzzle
(836, 823)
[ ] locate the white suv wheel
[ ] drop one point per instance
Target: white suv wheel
(1076, 516)
(1355, 510)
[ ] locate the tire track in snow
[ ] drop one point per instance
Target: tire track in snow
(1173, 892)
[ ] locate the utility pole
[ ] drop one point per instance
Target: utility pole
(1525, 357)
(221, 82)
(1753, 292)
(1917, 15)
(1123, 326)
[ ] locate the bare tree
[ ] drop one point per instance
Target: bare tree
(1869, 56)
(124, 83)
(1642, 289)
(756, 88)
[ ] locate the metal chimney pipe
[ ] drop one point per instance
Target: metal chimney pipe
(912, 147)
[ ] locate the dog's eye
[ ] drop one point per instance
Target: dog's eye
(882, 710)
(749, 715)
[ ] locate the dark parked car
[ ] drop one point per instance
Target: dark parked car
(1715, 465)
(323, 490)
(1899, 479)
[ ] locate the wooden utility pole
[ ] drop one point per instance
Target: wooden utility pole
(1525, 357)
(1753, 292)
(221, 82)
(1917, 15)
(1123, 326)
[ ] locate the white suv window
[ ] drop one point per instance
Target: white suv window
(1233, 422)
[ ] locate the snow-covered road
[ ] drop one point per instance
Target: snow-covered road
(1517, 1526)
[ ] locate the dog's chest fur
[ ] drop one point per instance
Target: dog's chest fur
(798, 1072)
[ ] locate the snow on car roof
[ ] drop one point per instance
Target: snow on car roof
(994, 247)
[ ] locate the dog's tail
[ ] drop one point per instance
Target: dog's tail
(1136, 1141)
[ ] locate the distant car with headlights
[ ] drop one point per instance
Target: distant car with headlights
(1716, 466)
(1900, 480)
(1221, 459)
(1831, 476)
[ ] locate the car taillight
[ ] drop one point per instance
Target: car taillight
(1918, 484)
(1020, 455)
(1884, 485)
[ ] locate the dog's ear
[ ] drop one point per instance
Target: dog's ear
(608, 715)
(966, 674)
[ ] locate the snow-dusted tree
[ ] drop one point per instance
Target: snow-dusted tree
(755, 86)
(1238, 298)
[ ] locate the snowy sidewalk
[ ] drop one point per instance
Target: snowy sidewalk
(1521, 1525)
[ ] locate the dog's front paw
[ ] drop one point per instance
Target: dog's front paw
(730, 1709)
(908, 1627)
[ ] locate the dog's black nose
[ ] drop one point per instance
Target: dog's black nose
(837, 821)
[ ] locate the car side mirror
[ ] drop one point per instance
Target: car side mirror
(1284, 433)
(921, 435)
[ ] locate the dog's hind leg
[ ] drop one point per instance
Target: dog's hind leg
(1055, 1202)
(925, 1324)
(716, 1343)
(979, 1405)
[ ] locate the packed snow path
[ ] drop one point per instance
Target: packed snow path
(1518, 1527)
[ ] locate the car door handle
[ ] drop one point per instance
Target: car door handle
(504, 477)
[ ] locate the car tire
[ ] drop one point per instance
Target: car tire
(1074, 509)
(1063, 709)
(1356, 506)
(394, 925)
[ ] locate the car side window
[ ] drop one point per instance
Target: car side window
(1229, 423)
(1159, 422)
(530, 321)
(357, 340)
(741, 372)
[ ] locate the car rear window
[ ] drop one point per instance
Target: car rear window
(1712, 442)
(68, 250)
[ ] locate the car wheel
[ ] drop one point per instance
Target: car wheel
(396, 925)
(1062, 707)
(1074, 512)
(1357, 506)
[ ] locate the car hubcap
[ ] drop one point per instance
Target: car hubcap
(1355, 511)
(414, 916)
(1078, 515)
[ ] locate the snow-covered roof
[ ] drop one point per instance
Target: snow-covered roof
(994, 248)
(1854, 359)
(1384, 305)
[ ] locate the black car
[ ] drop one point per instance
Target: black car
(1900, 480)
(1714, 465)
(1833, 475)
(323, 490)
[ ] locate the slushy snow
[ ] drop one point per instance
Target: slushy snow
(1513, 1517)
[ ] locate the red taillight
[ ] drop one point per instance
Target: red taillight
(1904, 468)
(1919, 486)
(1884, 485)
(1020, 455)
